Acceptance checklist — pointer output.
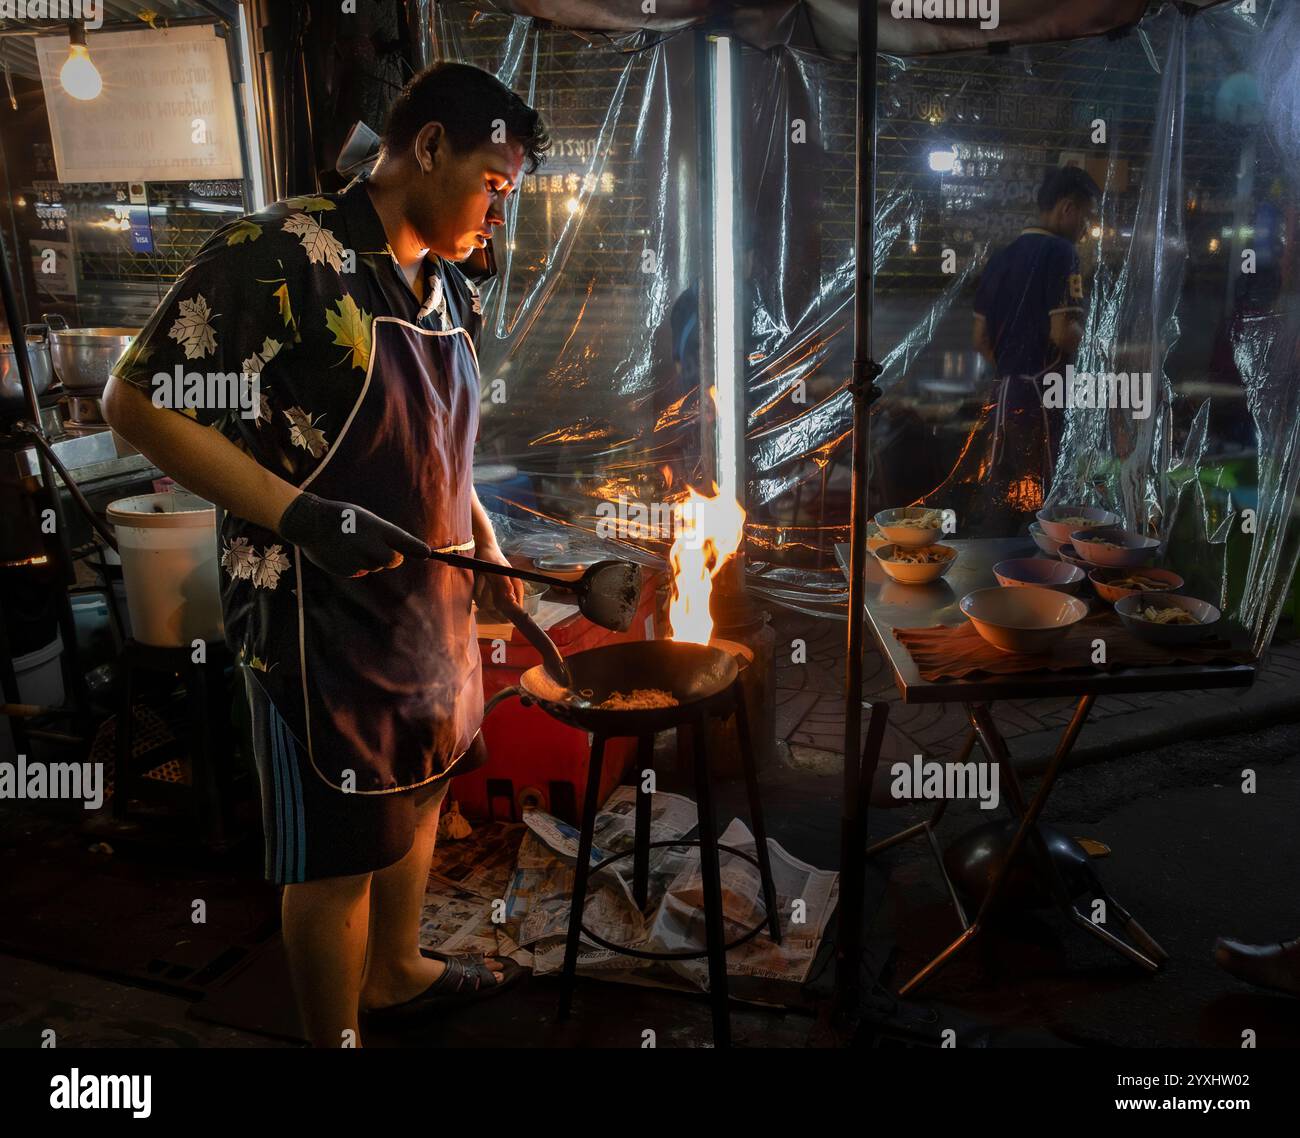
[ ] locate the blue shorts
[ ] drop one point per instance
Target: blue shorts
(313, 831)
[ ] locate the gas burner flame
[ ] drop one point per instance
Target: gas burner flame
(709, 530)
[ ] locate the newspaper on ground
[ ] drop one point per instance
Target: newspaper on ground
(507, 889)
(464, 899)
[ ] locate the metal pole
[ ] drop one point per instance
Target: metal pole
(59, 550)
(864, 392)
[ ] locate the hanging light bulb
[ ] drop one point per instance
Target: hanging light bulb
(79, 76)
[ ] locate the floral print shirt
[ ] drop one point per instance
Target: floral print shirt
(288, 295)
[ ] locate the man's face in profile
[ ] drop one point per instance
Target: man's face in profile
(457, 206)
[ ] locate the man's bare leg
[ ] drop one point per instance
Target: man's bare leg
(325, 924)
(395, 970)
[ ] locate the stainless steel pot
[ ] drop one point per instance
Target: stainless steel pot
(83, 357)
(12, 398)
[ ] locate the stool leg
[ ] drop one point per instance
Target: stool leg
(715, 935)
(645, 757)
(756, 814)
(581, 871)
(122, 736)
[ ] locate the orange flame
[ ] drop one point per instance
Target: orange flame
(708, 532)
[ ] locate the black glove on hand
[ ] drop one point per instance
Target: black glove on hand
(344, 539)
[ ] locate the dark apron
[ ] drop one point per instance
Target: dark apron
(390, 685)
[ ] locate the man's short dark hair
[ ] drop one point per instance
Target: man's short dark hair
(467, 101)
(1067, 182)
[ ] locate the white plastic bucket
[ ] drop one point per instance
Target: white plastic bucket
(40, 681)
(168, 546)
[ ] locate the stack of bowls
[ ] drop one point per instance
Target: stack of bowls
(1057, 523)
(913, 528)
(1110, 547)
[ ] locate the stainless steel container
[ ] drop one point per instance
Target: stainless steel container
(84, 357)
(12, 399)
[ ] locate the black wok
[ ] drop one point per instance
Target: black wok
(697, 675)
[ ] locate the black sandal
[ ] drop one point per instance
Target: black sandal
(464, 980)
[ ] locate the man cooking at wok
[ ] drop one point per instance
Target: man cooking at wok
(348, 463)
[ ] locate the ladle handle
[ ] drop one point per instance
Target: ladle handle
(500, 697)
(502, 570)
(551, 658)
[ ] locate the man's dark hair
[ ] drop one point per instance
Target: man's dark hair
(1067, 182)
(467, 101)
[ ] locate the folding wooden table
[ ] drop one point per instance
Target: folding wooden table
(889, 606)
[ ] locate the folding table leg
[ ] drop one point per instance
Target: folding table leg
(1107, 937)
(927, 829)
(1151, 955)
(581, 872)
(715, 935)
(991, 738)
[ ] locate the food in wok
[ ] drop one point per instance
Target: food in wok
(638, 699)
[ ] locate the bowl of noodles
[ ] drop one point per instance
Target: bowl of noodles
(911, 526)
(1059, 522)
(1167, 618)
(916, 566)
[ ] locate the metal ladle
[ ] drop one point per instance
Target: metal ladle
(607, 592)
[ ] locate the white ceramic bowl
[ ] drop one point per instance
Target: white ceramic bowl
(1060, 531)
(1129, 551)
(906, 573)
(909, 537)
(1030, 619)
(1021, 572)
(1206, 614)
(1047, 544)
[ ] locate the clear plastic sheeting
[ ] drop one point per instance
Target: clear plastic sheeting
(593, 419)
(831, 25)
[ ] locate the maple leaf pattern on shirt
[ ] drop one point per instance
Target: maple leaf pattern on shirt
(321, 245)
(253, 366)
(269, 566)
(303, 432)
(351, 327)
(238, 559)
(193, 328)
(309, 203)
